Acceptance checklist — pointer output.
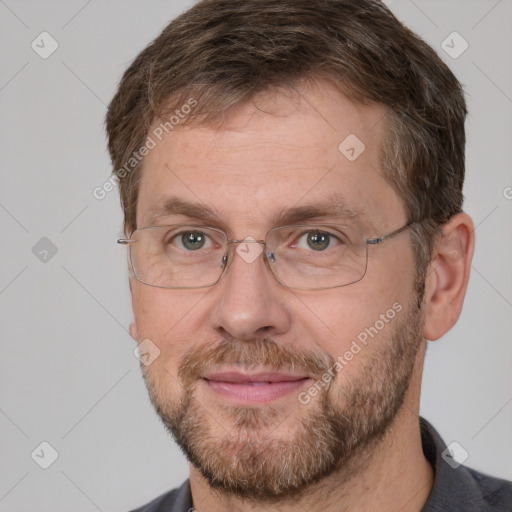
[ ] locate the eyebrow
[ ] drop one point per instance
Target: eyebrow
(332, 207)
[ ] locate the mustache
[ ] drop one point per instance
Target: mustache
(260, 352)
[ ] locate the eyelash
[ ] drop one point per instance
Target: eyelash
(296, 237)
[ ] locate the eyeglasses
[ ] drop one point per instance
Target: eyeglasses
(302, 257)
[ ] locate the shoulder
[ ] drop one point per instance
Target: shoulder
(458, 487)
(175, 500)
(472, 491)
(494, 494)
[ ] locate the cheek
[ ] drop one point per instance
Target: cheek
(169, 318)
(157, 311)
(391, 271)
(362, 314)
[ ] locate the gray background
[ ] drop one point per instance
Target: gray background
(68, 375)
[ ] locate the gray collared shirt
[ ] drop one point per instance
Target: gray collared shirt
(458, 489)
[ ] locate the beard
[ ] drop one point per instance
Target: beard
(336, 432)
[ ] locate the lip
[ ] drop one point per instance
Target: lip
(245, 378)
(255, 388)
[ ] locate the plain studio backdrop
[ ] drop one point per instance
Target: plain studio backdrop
(68, 375)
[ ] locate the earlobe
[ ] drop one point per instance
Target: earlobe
(448, 276)
(134, 333)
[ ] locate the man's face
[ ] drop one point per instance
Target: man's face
(267, 440)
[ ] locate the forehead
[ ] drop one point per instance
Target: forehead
(282, 150)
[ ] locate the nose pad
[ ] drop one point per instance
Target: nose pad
(226, 259)
(270, 256)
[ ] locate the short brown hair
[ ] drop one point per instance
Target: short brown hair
(222, 53)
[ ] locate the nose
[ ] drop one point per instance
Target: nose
(249, 301)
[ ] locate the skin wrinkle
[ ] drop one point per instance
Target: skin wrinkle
(339, 431)
(340, 450)
(332, 211)
(274, 88)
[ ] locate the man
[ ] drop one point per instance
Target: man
(291, 175)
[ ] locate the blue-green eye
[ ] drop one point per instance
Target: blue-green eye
(317, 240)
(191, 240)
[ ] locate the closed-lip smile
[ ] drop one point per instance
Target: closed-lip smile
(257, 388)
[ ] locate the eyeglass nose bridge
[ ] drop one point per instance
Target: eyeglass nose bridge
(247, 240)
(270, 256)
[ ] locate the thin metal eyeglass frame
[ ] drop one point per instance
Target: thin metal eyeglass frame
(366, 241)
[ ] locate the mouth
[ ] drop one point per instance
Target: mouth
(256, 388)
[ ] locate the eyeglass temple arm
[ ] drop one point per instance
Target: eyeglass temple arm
(380, 239)
(369, 241)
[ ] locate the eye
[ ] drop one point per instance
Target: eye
(317, 240)
(191, 240)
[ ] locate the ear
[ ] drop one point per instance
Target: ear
(134, 333)
(448, 276)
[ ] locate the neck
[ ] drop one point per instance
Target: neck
(389, 476)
